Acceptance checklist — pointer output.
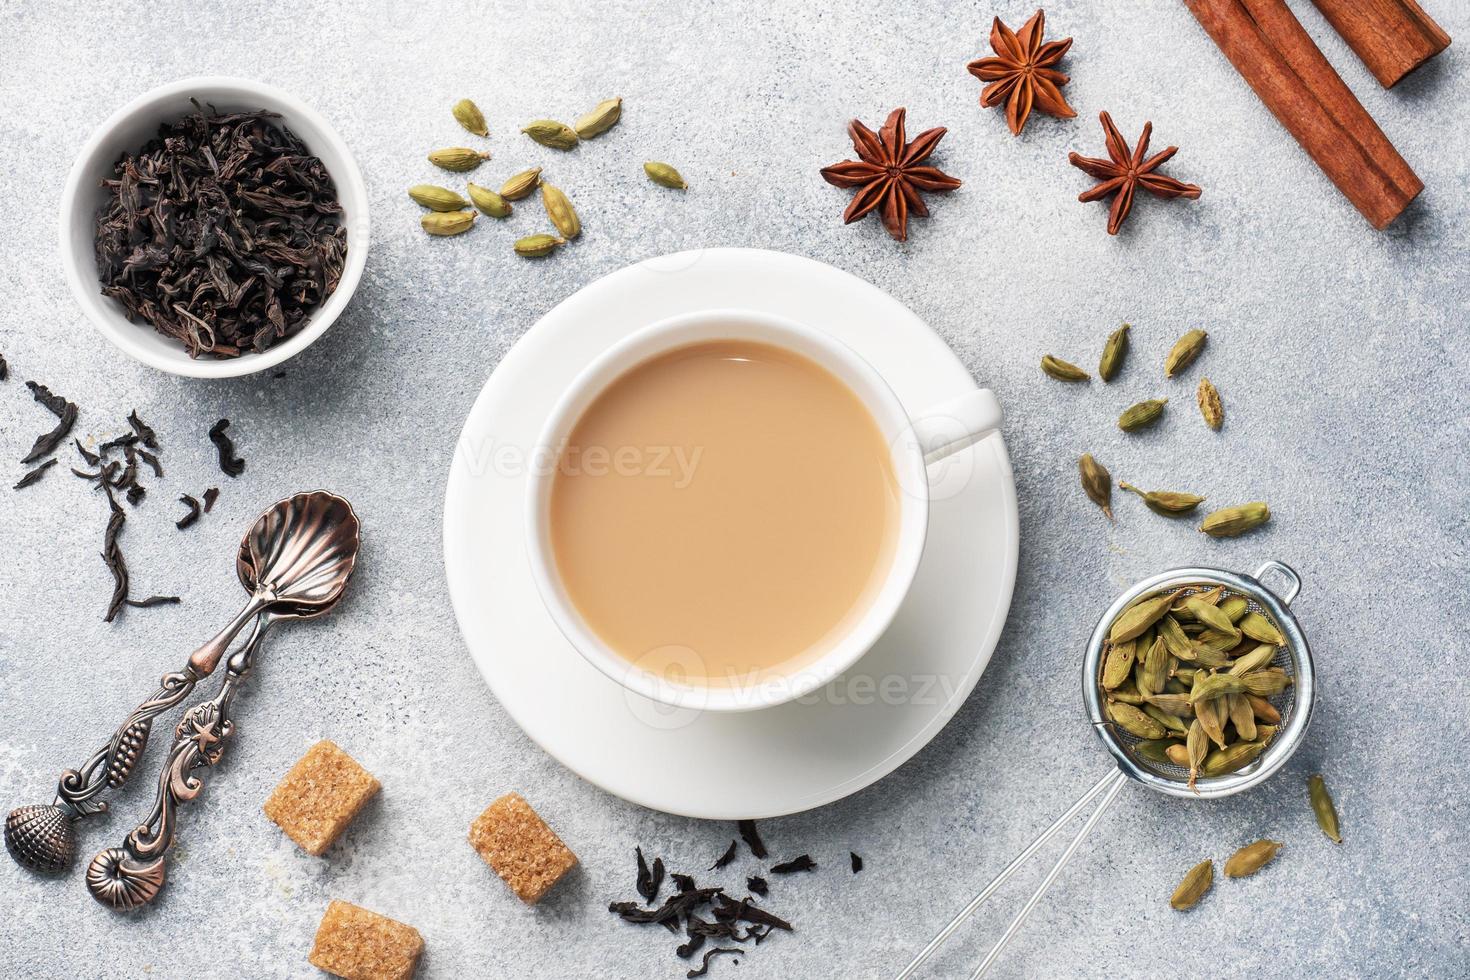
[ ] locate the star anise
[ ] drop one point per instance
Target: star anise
(888, 173)
(1128, 170)
(1021, 73)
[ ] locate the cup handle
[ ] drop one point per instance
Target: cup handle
(956, 424)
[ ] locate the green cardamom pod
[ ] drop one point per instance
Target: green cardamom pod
(1127, 692)
(1216, 645)
(1185, 676)
(1233, 758)
(1097, 482)
(447, 222)
(549, 132)
(1324, 809)
(1113, 351)
(535, 246)
(1155, 750)
(437, 198)
(1235, 607)
(1170, 722)
(603, 117)
(1134, 722)
(1061, 370)
(1175, 704)
(1155, 668)
(1207, 712)
(493, 204)
(664, 175)
(1257, 659)
(1231, 521)
(1184, 351)
(1215, 685)
(470, 117)
(1137, 618)
(1142, 415)
(1264, 710)
(1212, 617)
(1261, 629)
(458, 158)
(1209, 404)
(559, 209)
(1197, 744)
(1193, 887)
(1177, 754)
(521, 184)
(1238, 709)
(1264, 683)
(1176, 639)
(1118, 664)
(1251, 858)
(1166, 502)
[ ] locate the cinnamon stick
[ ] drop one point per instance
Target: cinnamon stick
(1280, 62)
(1393, 37)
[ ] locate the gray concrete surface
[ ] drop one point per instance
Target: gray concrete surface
(1340, 353)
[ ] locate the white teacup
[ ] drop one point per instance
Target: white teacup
(915, 441)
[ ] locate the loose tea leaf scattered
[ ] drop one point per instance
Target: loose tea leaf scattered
(210, 496)
(143, 430)
(231, 464)
(223, 233)
(725, 858)
(188, 519)
(65, 412)
(752, 838)
(757, 885)
(649, 881)
(857, 862)
(1323, 808)
(32, 476)
(709, 955)
(802, 863)
(4, 369)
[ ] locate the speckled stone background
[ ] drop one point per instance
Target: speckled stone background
(1340, 353)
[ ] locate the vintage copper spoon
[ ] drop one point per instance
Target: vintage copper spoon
(298, 555)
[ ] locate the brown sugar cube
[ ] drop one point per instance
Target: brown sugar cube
(357, 944)
(516, 842)
(320, 796)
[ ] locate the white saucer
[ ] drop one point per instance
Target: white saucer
(717, 765)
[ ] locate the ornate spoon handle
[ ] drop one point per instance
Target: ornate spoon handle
(127, 877)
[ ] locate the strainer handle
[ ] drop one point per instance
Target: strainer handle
(1117, 779)
(1109, 784)
(1286, 574)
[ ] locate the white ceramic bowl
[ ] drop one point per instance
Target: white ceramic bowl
(129, 128)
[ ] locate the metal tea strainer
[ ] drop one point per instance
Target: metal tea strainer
(1295, 705)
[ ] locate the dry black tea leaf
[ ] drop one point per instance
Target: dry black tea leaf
(210, 496)
(193, 515)
(752, 837)
(757, 885)
(231, 464)
(685, 883)
(112, 556)
(154, 600)
(802, 863)
(92, 458)
(4, 369)
(223, 233)
(34, 475)
(649, 882)
(709, 955)
(730, 910)
(152, 461)
(64, 410)
(857, 862)
(143, 430)
(136, 494)
(725, 858)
